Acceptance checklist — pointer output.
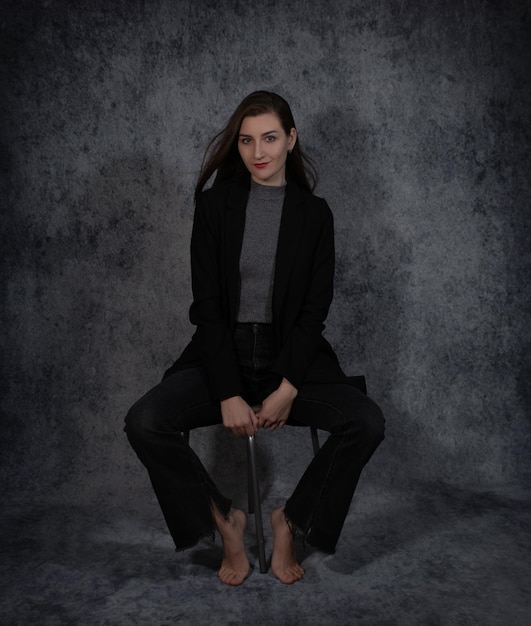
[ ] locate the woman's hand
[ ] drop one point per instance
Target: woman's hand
(277, 406)
(238, 416)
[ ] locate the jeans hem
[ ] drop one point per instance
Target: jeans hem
(211, 535)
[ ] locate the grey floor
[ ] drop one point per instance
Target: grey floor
(431, 555)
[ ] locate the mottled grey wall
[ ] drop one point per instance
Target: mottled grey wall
(417, 115)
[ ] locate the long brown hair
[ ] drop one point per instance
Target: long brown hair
(222, 156)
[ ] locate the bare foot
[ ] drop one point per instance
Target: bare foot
(284, 560)
(235, 564)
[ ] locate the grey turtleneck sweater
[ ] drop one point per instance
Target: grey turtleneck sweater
(257, 259)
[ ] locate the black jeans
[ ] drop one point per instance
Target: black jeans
(320, 502)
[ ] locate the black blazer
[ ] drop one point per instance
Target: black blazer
(302, 292)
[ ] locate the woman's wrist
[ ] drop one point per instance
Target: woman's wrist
(290, 390)
(229, 400)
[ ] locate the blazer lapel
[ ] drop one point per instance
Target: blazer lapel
(234, 228)
(291, 228)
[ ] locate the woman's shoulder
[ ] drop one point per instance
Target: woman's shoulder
(314, 205)
(218, 192)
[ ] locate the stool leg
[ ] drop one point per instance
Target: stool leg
(250, 473)
(253, 479)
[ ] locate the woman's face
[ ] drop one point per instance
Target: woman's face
(263, 146)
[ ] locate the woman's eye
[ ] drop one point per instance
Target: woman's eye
(245, 140)
(270, 138)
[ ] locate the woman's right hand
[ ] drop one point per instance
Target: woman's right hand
(238, 416)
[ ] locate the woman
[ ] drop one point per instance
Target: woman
(262, 256)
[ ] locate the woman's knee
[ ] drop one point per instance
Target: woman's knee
(367, 421)
(139, 420)
(374, 423)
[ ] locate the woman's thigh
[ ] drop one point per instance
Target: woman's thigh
(180, 402)
(332, 406)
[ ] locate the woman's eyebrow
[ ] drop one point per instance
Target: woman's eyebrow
(269, 132)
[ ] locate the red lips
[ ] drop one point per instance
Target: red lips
(260, 165)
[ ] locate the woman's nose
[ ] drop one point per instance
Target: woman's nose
(258, 151)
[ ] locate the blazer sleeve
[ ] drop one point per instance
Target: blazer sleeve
(303, 339)
(209, 308)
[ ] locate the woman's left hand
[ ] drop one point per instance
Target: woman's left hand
(277, 406)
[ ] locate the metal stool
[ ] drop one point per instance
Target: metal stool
(254, 495)
(254, 503)
(253, 491)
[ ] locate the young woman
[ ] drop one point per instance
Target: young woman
(262, 256)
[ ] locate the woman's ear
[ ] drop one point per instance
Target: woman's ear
(292, 139)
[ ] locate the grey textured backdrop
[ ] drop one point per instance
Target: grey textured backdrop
(417, 115)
